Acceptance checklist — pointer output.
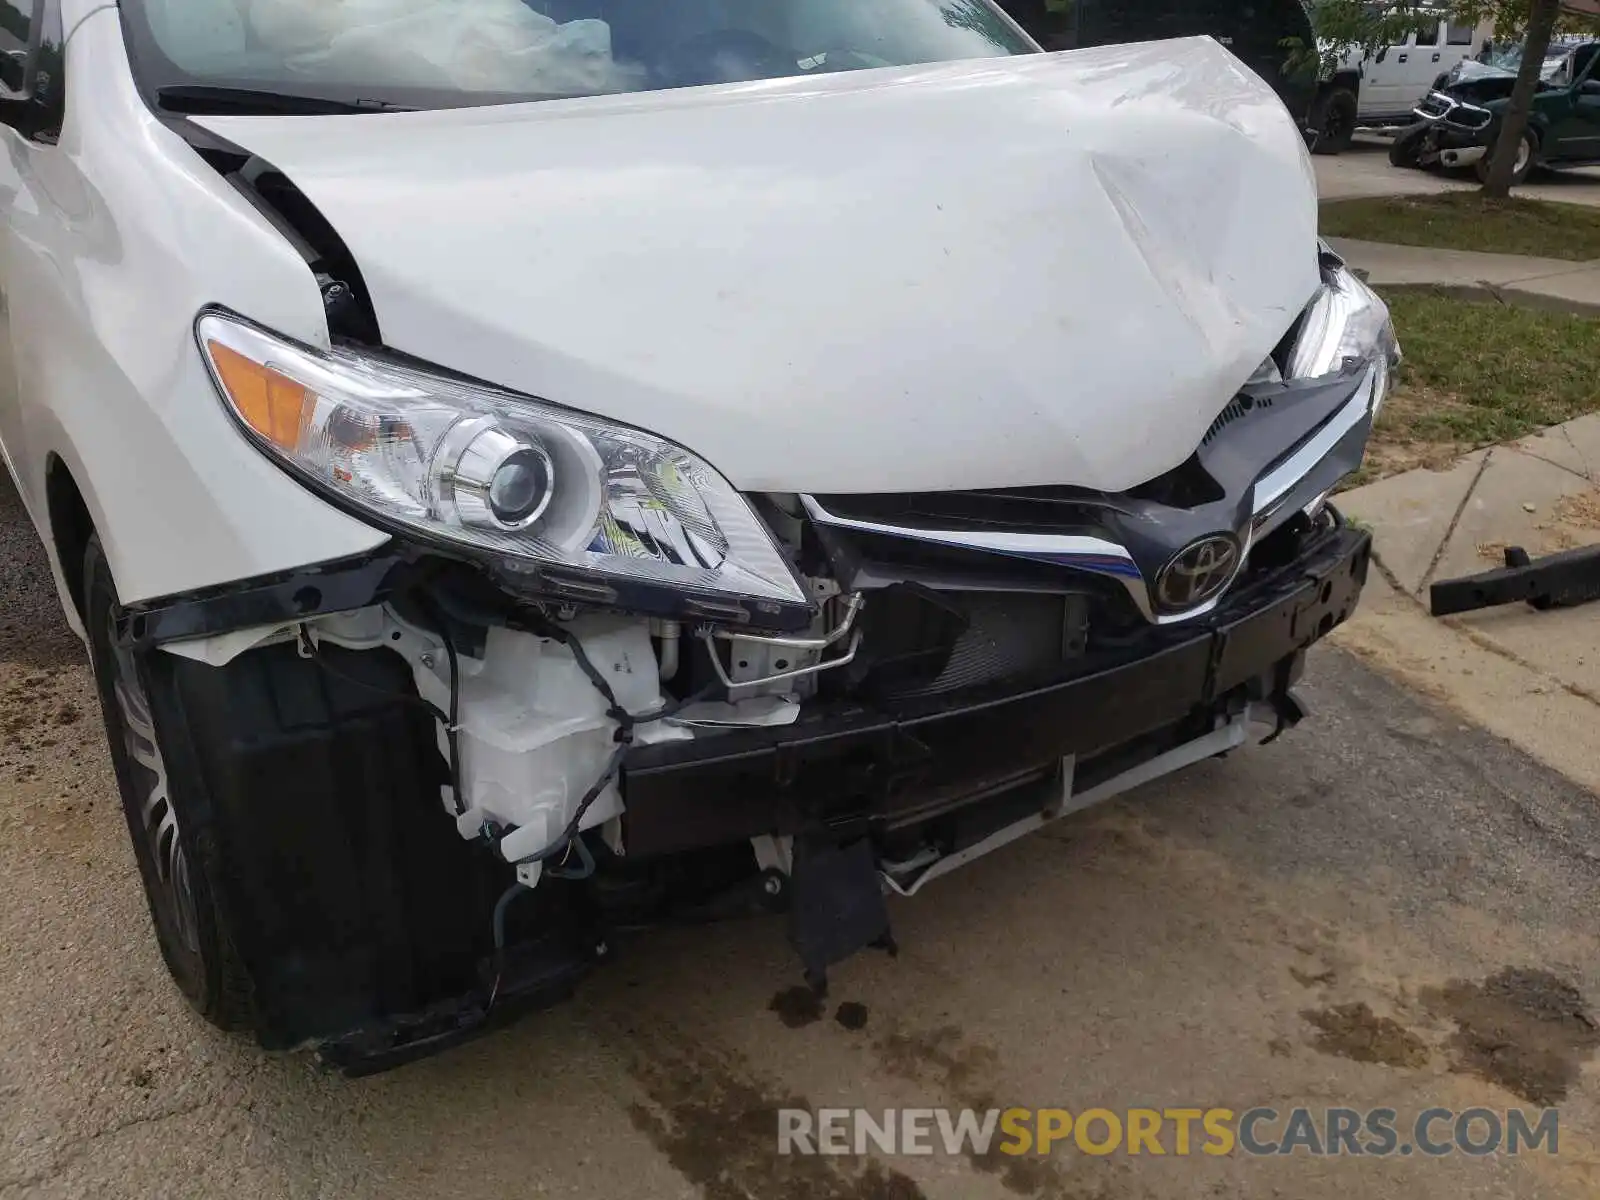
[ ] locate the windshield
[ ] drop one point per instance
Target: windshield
(1510, 59)
(431, 53)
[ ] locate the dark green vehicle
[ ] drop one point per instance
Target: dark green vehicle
(1459, 123)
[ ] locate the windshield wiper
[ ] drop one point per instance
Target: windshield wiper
(209, 98)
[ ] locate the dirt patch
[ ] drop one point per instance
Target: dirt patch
(1355, 1032)
(1522, 1028)
(797, 1007)
(1393, 457)
(40, 711)
(33, 633)
(716, 1121)
(1581, 509)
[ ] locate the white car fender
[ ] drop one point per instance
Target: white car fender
(122, 234)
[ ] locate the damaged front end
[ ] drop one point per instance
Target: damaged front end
(1452, 130)
(638, 694)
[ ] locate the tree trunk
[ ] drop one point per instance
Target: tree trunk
(1503, 157)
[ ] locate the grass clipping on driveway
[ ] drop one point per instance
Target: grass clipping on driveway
(1477, 372)
(1468, 221)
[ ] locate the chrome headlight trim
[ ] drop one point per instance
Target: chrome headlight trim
(1345, 327)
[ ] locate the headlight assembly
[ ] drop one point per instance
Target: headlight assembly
(1347, 327)
(535, 487)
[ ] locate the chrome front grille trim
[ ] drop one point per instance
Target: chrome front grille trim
(1105, 558)
(1092, 555)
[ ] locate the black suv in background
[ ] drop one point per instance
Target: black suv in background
(1255, 30)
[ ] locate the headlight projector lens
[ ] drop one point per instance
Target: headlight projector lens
(501, 481)
(520, 490)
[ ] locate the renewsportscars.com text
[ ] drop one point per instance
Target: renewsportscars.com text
(1255, 1132)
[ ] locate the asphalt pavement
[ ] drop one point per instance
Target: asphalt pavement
(1387, 907)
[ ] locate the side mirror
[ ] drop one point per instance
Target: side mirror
(1383, 53)
(1589, 87)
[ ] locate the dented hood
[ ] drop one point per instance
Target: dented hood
(1050, 269)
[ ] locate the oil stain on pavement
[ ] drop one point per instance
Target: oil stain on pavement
(714, 1119)
(1522, 1028)
(967, 1074)
(1355, 1032)
(797, 1006)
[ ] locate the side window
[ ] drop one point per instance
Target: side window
(1428, 35)
(16, 20)
(47, 77)
(1582, 60)
(1459, 35)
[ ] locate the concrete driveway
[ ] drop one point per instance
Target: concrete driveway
(1387, 907)
(1364, 170)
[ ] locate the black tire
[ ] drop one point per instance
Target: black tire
(1406, 149)
(177, 874)
(1333, 116)
(1527, 157)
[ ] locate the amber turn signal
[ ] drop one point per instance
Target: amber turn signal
(274, 406)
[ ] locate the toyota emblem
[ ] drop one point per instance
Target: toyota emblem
(1197, 573)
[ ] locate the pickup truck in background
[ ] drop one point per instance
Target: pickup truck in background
(1382, 90)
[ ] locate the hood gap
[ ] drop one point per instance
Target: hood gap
(346, 301)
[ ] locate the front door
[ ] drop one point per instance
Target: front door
(1417, 67)
(1575, 133)
(1384, 78)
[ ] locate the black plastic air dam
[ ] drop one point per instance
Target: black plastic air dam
(882, 764)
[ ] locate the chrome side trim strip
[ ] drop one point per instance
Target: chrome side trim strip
(1095, 556)
(1277, 483)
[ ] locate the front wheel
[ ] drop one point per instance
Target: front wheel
(190, 929)
(1333, 116)
(1527, 155)
(1406, 149)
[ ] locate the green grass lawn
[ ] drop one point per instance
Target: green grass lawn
(1477, 372)
(1467, 221)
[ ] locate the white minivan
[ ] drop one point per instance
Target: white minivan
(530, 470)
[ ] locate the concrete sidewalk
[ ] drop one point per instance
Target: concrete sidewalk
(1511, 278)
(1539, 493)
(1532, 677)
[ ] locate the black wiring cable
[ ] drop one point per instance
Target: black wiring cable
(309, 649)
(452, 731)
(613, 765)
(501, 907)
(626, 723)
(586, 864)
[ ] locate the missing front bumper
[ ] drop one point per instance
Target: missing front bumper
(861, 769)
